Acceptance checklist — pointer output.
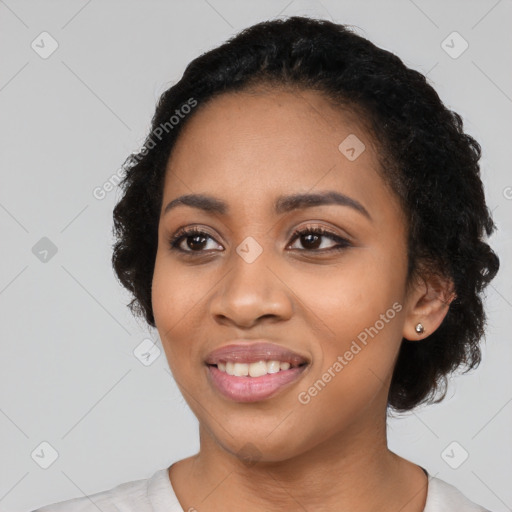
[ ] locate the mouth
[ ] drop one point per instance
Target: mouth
(251, 373)
(256, 369)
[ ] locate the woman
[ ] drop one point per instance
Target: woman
(305, 228)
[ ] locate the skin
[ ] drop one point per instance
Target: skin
(248, 148)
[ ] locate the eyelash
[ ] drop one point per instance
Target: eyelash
(175, 241)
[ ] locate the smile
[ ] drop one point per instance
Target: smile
(253, 389)
(256, 369)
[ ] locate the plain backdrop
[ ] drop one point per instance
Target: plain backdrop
(79, 412)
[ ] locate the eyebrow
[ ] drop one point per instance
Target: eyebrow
(283, 204)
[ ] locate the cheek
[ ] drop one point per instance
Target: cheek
(166, 294)
(175, 301)
(178, 290)
(351, 296)
(357, 310)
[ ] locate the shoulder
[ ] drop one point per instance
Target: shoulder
(444, 497)
(126, 497)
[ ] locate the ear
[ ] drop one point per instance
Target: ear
(427, 304)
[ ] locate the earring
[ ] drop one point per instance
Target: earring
(419, 329)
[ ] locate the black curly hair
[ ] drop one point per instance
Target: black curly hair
(426, 158)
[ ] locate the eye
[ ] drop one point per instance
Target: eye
(311, 237)
(196, 240)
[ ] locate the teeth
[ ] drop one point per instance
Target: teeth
(230, 368)
(241, 370)
(273, 366)
(257, 369)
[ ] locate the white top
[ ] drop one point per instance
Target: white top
(155, 494)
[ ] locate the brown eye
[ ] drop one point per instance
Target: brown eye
(195, 242)
(311, 240)
(194, 239)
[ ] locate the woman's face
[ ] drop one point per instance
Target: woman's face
(333, 305)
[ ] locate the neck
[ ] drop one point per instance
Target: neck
(351, 471)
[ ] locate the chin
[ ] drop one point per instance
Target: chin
(252, 449)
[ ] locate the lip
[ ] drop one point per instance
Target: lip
(240, 352)
(254, 389)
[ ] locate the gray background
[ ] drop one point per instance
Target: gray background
(69, 376)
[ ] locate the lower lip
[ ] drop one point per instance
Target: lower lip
(252, 389)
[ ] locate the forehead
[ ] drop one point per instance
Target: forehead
(250, 145)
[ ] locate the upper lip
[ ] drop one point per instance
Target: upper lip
(243, 352)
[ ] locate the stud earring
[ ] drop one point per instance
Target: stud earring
(420, 329)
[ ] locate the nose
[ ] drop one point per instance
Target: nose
(250, 293)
